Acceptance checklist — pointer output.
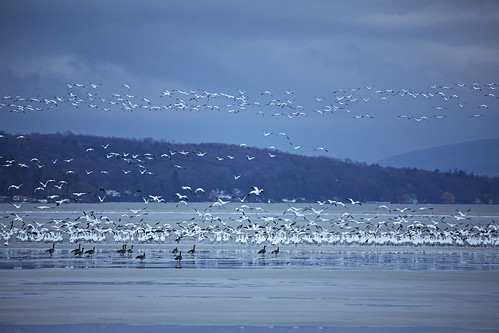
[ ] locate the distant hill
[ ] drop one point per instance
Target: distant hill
(479, 157)
(56, 166)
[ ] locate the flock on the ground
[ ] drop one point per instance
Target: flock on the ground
(322, 223)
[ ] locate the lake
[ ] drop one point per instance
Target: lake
(337, 270)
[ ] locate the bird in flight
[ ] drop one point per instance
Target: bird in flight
(353, 202)
(255, 190)
(181, 197)
(17, 187)
(101, 199)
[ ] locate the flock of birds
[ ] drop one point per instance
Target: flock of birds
(329, 222)
(443, 99)
(323, 223)
(434, 103)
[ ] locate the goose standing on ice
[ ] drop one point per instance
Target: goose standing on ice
(122, 250)
(90, 252)
(76, 250)
(178, 257)
(79, 252)
(51, 250)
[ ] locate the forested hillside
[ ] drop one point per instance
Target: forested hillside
(88, 169)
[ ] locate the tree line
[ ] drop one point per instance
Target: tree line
(132, 170)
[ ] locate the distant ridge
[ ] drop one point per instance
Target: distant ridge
(480, 157)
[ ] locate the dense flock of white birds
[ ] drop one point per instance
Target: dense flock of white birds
(323, 223)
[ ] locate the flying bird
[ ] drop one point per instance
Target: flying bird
(181, 197)
(156, 198)
(187, 188)
(17, 187)
(353, 202)
(255, 190)
(101, 199)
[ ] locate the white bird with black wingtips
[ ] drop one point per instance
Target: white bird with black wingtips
(256, 191)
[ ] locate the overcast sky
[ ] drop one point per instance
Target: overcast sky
(426, 72)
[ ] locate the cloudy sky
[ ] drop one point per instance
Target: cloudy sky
(364, 80)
